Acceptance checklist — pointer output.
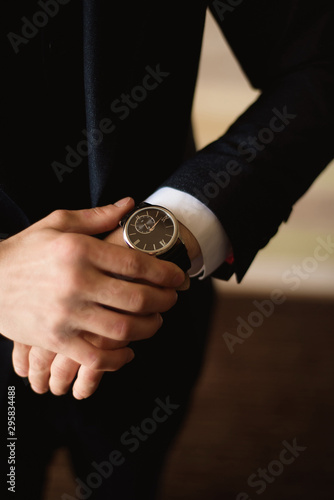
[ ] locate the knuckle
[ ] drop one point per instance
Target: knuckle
(101, 211)
(60, 379)
(104, 295)
(58, 337)
(138, 300)
(59, 321)
(122, 329)
(133, 264)
(71, 247)
(161, 270)
(74, 284)
(37, 362)
(60, 218)
(86, 312)
(70, 269)
(71, 277)
(58, 373)
(54, 342)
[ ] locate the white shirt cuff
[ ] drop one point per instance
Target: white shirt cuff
(202, 223)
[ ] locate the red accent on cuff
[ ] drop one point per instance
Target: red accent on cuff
(230, 258)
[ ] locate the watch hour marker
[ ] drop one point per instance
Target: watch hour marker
(162, 243)
(136, 242)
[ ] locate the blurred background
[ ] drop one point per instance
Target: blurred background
(275, 389)
(277, 386)
(222, 94)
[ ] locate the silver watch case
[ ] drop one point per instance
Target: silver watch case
(168, 246)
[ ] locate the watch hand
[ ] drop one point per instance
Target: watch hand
(155, 224)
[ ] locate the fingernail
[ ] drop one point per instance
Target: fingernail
(122, 202)
(21, 372)
(179, 279)
(39, 390)
(76, 394)
(131, 356)
(185, 285)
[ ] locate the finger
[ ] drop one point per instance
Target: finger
(113, 360)
(126, 262)
(86, 383)
(40, 361)
(131, 297)
(88, 221)
(62, 373)
(86, 354)
(185, 285)
(103, 342)
(64, 369)
(116, 325)
(20, 357)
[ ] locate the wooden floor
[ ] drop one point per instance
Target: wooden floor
(275, 391)
(277, 386)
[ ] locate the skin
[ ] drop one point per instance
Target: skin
(55, 278)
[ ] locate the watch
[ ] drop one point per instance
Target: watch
(155, 230)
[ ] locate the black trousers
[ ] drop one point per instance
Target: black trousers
(118, 438)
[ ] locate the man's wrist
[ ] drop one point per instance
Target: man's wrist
(190, 242)
(200, 221)
(193, 249)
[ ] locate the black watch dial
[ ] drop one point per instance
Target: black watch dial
(152, 230)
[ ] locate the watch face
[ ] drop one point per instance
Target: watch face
(152, 230)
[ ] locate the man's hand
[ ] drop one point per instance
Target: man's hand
(57, 282)
(48, 370)
(56, 371)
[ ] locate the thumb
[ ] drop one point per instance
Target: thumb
(91, 220)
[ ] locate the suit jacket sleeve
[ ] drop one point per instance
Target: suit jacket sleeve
(252, 176)
(12, 218)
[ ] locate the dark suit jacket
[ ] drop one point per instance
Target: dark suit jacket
(129, 68)
(95, 65)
